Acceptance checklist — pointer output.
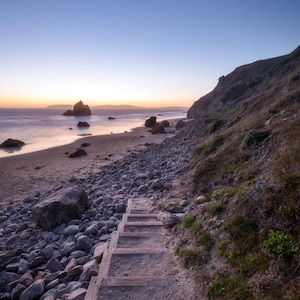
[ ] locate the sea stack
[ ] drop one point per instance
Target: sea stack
(79, 109)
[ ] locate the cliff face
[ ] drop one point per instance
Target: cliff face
(242, 238)
(244, 83)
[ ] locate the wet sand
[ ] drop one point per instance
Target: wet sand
(26, 175)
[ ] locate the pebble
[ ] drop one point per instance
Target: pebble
(59, 263)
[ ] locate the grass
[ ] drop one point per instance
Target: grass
(254, 139)
(188, 221)
(206, 148)
(216, 209)
(193, 258)
(242, 230)
(228, 287)
(217, 125)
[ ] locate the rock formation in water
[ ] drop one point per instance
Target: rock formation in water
(79, 109)
(12, 143)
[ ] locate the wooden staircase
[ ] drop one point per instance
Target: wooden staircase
(136, 264)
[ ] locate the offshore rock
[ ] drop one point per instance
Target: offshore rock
(63, 206)
(79, 109)
(83, 124)
(9, 143)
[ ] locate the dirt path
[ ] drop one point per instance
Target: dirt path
(139, 262)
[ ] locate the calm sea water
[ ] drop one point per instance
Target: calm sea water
(44, 128)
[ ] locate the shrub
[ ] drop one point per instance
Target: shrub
(216, 208)
(230, 288)
(206, 148)
(192, 258)
(188, 221)
(242, 231)
(217, 125)
(281, 245)
(254, 138)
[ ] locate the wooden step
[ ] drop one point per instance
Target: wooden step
(141, 217)
(136, 281)
(140, 239)
(143, 288)
(153, 226)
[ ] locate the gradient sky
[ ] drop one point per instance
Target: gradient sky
(146, 53)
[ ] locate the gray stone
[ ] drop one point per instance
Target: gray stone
(78, 294)
(99, 250)
(47, 252)
(23, 266)
(78, 153)
(169, 220)
(17, 291)
(53, 265)
(71, 229)
(63, 206)
(89, 269)
(84, 242)
(142, 189)
(68, 248)
(35, 290)
(92, 229)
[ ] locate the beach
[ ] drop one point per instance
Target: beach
(29, 174)
(57, 249)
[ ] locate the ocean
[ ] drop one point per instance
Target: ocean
(45, 128)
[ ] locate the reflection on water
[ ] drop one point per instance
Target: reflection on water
(11, 149)
(44, 128)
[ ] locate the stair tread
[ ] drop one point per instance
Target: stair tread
(135, 281)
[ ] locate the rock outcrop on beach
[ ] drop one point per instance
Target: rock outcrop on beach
(151, 122)
(79, 152)
(60, 208)
(79, 109)
(12, 143)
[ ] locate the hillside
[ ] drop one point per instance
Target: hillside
(242, 238)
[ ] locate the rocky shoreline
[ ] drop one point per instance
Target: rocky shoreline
(58, 264)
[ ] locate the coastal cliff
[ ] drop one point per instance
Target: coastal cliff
(242, 238)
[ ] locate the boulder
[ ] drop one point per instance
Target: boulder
(157, 129)
(79, 152)
(79, 109)
(12, 143)
(61, 207)
(180, 124)
(151, 122)
(85, 144)
(83, 124)
(164, 123)
(169, 220)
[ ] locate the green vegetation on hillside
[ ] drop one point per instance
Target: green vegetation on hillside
(243, 240)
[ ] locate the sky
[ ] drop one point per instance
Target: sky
(138, 52)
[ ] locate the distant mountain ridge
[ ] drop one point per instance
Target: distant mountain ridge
(118, 107)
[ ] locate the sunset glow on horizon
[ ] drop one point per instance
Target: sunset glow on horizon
(149, 54)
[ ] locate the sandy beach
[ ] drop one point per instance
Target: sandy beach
(26, 175)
